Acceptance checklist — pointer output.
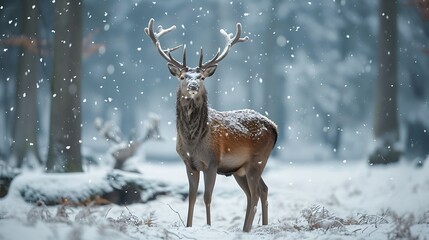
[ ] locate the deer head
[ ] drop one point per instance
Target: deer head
(192, 78)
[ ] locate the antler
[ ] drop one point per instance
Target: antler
(165, 53)
(230, 41)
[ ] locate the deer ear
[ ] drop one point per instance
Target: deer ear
(174, 70)
(207, 72)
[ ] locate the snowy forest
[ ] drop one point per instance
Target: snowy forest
(88, 118)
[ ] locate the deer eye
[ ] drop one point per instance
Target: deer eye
(202, 78)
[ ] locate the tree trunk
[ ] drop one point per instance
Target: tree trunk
(386, 130)
(4, 107)
(26, 114)
(64, 153)
(273, 80)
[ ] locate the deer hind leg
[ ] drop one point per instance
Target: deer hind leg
(263, 190)
(242, 182)
(209, 182)
(253, 177)
(193, 179)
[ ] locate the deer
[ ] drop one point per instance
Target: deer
(236, 143)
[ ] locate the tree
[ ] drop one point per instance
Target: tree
(274, 79)
(26, 115)
(8, 54)
(416, 122)
(64, 152)
(386, 130)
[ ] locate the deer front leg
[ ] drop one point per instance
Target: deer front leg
(209, 182)
(193, 179)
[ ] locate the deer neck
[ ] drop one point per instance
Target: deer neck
(191, 118)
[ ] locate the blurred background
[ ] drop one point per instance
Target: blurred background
(344, 80)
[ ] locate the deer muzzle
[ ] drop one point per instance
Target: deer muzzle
(193, 87)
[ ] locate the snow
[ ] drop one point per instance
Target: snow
(74, 186)
(332, 200)
(242, 121)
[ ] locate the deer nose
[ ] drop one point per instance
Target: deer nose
(193, 86)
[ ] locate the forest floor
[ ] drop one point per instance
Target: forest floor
(332, 200)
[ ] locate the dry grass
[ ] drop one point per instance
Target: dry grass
(39, 212)
(314, 218)
(402, 227)
(317, 217)
(373, 219)
(150, 221)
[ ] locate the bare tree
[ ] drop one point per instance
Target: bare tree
(125, 149)
(417, 138)
(26, 115)
(274, 80)
(386, 130)
(64, 152)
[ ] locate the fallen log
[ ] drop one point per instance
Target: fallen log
(97, 187)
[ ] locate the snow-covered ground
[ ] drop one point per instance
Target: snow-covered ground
(332, 200)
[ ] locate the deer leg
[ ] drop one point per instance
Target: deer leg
(263, 189)
(193, 179)
(242, 182)
(209, 182)
(253, 178)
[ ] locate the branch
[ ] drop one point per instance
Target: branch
(178, 214)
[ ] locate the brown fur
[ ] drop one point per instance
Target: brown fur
(207, 142)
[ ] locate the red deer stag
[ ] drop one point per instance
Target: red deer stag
(234, 143)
